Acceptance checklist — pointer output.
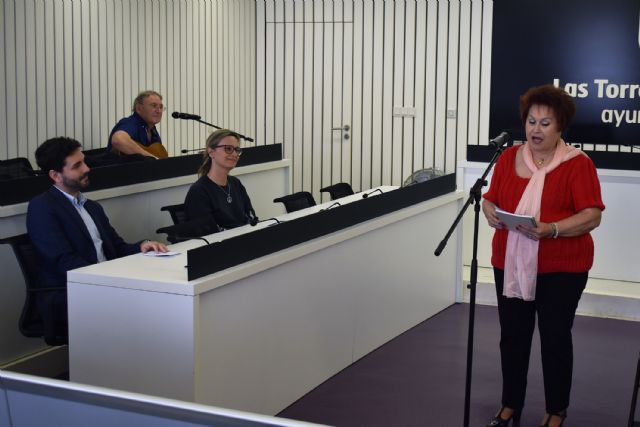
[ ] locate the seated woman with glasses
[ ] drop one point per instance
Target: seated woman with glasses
(217, 194)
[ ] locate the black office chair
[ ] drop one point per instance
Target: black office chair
(31, 323)
(296, 201)
(178, 213)
(95, 151)
(97, 157)
(634, 398)
(338, 190)
(187, 230)
(20, 167)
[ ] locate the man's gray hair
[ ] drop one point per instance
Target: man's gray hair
(142, 96)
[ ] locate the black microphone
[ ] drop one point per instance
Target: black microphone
(252, 217)
(193, 150)
(255, 221)
(500, 140)
(365, 195)
(331, 205)
(185, 116)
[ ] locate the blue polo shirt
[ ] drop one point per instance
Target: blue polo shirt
(136, 127)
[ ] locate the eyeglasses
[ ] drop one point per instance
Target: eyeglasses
(229, 149)
(157, 107)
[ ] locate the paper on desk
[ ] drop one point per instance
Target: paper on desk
(511, 220)
(154, 253)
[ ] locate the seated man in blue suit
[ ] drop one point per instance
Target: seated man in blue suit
(68, 230)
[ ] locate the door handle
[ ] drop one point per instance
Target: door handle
(345, 128)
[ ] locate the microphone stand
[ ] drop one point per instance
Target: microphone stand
(246, 138)
(475, 195)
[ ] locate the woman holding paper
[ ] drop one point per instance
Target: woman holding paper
(541, 269)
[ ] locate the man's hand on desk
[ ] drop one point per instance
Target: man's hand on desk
(150, 245)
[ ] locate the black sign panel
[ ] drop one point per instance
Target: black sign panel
(589, 47)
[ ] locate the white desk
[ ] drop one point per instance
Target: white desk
(134, 211)
(260, 335)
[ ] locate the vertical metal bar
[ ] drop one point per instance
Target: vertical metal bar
(284, 72)
(446, 86)
(384, 28)
(313, 83)
(373, 62)
(304, 64)
(293, 97)
(393, 90)
(455, 159)
(353, 46)
(415, 56)
(435, 85)
(333, 67)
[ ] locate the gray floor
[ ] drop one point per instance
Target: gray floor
(418, 378)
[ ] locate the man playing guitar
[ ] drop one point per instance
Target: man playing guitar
(137, 134)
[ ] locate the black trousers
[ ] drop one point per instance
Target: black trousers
(557, 296)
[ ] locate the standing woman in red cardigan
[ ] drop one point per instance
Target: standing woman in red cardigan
(543, 270)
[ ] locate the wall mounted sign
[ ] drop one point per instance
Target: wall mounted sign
(591, 48)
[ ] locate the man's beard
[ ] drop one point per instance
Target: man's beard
(76, 184)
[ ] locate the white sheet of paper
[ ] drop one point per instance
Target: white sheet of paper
(157, 254)
(512, 220)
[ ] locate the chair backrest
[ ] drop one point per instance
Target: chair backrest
(30, 323)
(189, 229)
(296, 201)
(95, 151)
(178, 213)
(336, 191)
(20, 167)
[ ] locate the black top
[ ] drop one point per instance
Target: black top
(229, 206)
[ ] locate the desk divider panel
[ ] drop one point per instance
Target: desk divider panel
(29, 401)
(116, 175)
(215, 257)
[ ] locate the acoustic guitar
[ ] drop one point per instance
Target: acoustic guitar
(157, 149)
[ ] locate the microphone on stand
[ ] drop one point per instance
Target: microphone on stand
(331, 206)
(193, 150)
(185, 116)
(255, 221)
(188, 116)
(500, 140)
(201, 238)
(365, 195)
(246, 138)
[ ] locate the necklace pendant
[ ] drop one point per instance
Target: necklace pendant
(229, 199)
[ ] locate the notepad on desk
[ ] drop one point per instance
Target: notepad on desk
(511, 220)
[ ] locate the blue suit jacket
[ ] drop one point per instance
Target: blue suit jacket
(63, 242)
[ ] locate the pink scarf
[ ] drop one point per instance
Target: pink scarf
(521, 261)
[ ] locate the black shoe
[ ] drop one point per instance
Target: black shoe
(561, 414)
(498, 421)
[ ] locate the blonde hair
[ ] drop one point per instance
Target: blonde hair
(212, 141)
(142, 96)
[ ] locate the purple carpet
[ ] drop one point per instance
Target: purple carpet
(418, 378)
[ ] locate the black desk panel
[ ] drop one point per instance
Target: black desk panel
(117, 175)
(215, 257)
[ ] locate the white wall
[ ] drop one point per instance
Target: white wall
(322, 65)
(73, 68)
